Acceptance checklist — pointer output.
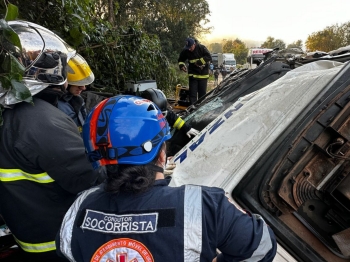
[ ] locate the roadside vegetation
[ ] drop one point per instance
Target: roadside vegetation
(136, 40)
(122, 40)
(330, 38)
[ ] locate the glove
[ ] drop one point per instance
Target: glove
(169, 167)
(184, 68)
(199, 63)
(192, 132)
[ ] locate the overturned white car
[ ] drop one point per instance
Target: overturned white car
(283, 151)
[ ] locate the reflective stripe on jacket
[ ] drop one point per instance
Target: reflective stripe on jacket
(198, 60)
(177, 122)
(42, 168)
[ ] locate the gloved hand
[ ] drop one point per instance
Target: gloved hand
(192, 132)
(184, 68)
(169, 167)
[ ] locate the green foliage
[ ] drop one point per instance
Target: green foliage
(129, 55)
(238, 48)
(171, 20)
(115, 54)
(228, 46)
(241, 51)
(176, 77)
(274, 43)
(122, 40)
(296, 44)
(12, 12)
(330, 38)
(215, 48)
(11, 70)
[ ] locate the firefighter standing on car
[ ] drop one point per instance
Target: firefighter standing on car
(135, 215)
(43, 165)
(158, 97)
(198, 57)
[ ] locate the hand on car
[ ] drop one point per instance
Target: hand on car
(192, 132)
(169, 167)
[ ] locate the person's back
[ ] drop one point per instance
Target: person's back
(42, 158)
(223, 73)
(211, 67)
(216, 75)
(166, 224)
(37, 183)
(136, 216)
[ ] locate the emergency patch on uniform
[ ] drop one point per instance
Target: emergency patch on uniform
(122, 250)
(120, 224)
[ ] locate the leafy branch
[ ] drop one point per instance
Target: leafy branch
(11, 70)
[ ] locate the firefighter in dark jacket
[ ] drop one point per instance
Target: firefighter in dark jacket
(158, 97)
(78, 77)
(198, 58)
(43, 165)
(135, 215)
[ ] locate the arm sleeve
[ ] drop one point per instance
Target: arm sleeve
(182, 58)
(56, 147)
(242, 237)
(177, 122)
(206, 56)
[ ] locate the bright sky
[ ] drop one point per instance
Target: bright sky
(285, 20)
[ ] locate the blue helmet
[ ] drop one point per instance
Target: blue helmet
(124, 129)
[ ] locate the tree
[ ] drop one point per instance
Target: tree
(116, 54)
(274, 43)
(345, 32)
(330, 38)
(238, 48)
(215, 48)
(296, 44)
(171, 20)
(228, 46)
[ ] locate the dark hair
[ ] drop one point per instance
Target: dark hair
(131, 178)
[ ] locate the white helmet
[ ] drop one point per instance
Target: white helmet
(44, 56)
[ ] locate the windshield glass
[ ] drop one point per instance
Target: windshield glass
(233, 62)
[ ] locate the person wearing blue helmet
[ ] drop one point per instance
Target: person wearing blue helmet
(135, 215)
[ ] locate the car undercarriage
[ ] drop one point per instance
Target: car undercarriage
(302, 184)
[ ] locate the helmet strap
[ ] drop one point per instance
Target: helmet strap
(155, 168)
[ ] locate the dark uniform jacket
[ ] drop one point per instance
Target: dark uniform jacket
(184, 223)
(74, 107)
(200, 56)
(42, 169)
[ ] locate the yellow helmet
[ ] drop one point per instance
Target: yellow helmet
(79, 72)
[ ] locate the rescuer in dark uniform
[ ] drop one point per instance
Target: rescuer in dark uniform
(198, 57)
(43, 165)
(135, 215)
(78, 77)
